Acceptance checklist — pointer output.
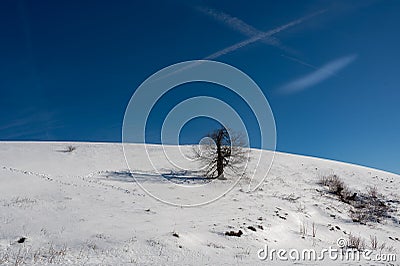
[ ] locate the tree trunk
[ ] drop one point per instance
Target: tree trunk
(220, 156)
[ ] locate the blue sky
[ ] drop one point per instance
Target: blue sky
(69, 68)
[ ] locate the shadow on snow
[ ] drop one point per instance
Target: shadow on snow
(177, 177)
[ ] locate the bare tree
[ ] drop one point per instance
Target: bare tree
(221, 150)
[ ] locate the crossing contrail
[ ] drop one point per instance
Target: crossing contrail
(241, 26)
(259, 36)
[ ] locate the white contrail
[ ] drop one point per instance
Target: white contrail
(251, 40)
(318, 76)
(233, 22)
(294, 59)
(260, 36)
(248, 30)
(241, 26)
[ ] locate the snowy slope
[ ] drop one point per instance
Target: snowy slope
(84, 207)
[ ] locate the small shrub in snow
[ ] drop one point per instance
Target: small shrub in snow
(327, 180)
(303, 229)
(372, 192)
(314, 230)
(366, 207)
(70, 148)
(301, 208)
(336, 186)
(215, 245)
(370, 207)
(359, 216)
(291, 197)
(356, 242)
(25, 255)
(374, 242)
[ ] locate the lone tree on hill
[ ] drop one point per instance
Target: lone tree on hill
(220, 150)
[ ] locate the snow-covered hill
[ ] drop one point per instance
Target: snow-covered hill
(84, 207)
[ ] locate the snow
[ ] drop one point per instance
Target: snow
(85, 207)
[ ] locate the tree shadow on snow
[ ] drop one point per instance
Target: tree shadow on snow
(177, 177)
(186, 177)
